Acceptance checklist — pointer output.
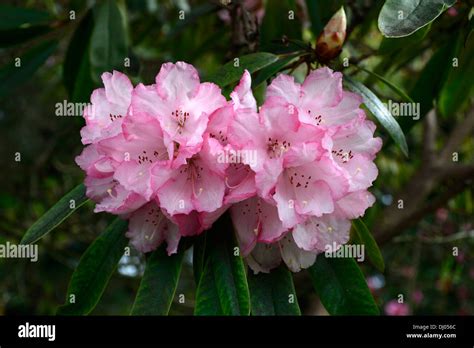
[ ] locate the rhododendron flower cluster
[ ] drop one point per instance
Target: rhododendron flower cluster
(174, 156)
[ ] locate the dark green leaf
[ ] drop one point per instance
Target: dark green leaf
(190, 18)
(430, 81)
(76, 69)
(57, 214)
(371, 248)
(389, 46)
(12, 76)
(457, 90)
(273, 293)
(281, 19)
(158, 285)
(395, 88)
(402, 17)
(320, 12)
(378, 109)
(108, 48)
(272, 69)
(199, 253)
(341, 287)
(95, 268)
(18, 17)
(222, 288)
(230, 73)
(17, 36)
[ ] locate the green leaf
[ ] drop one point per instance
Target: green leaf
(278, 22)
(395, 88)
(400, 18)
(13, 76)
(56, 215)
(391, 45)
(378, 109)
(253, 62)
(199, 253)
(18, 25)
(95, 268)
(197, 12)
(457, 90)
(18, 17)
(108, 47)
(272, 69)
(76, 69)
(158, 286)
(320, 12)
(17, 36)
(341, 287)
(430, 81)
(371, 247)
(270, 293)
(222, 288)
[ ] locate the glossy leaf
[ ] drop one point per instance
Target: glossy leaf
(13, 76)
(56, 215)
(158, 286)
(341, 287)
(108, 48)
(222, 288)
(400, 18)
(273, 293)
(378, 109)
(95, 268)
(371, 248)
(231, 73)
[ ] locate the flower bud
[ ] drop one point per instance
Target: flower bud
(330, 41)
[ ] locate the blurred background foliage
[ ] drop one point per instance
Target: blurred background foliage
(65, 45)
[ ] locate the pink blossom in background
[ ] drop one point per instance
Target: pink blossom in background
(172, 157)
(417, 296)
(442, 215)
(393, 308)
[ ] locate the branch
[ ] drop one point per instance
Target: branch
(424, 193)
(459, 133)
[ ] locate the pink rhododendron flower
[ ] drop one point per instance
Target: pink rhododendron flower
(174, 156)
(109, 105)
(316, 151)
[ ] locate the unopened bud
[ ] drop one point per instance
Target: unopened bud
(330, 41)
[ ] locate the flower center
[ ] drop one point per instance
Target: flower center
(220, 136)
(181, 118)
(342, 155)
(276, 148)
(318, 119)
(150, 157)
(298, 180)
(114, 117)
(193, 171)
